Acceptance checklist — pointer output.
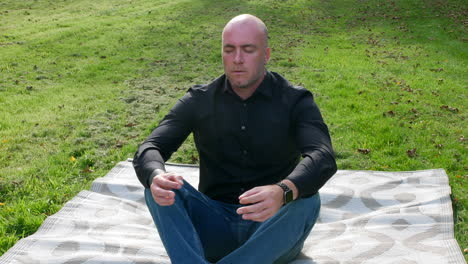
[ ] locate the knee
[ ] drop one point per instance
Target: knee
(307, 208)
(311, 201)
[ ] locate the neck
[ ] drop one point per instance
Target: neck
(244, 93)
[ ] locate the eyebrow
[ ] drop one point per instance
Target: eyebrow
(242, 46)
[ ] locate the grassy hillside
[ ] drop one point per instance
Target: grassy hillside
(83, 82)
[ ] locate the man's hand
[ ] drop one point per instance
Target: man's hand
(263, 202)
(162, 186)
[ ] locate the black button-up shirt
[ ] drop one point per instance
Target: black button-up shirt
(245, 143)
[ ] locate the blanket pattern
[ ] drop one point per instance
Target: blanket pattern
(366, 217)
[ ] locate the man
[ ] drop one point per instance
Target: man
(257, 201)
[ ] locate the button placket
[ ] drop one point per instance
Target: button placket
(243, 118)
(243, 133)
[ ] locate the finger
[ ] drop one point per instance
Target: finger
(249, 193)
(165, 194)
(158, 192)
(165, 202)
(168, 181)
(258, 216)
(254, 197)
(176, 178)
(254, 208)
(163, 197)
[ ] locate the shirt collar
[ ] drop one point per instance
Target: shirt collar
(265, 88)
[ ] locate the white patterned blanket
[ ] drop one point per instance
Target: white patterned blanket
(366, 217)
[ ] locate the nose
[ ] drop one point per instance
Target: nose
(239, 57)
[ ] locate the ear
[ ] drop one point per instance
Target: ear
(267, 55)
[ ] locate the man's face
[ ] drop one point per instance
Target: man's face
(244, 55)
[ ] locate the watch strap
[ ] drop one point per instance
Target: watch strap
(287, 193)
(283, 186)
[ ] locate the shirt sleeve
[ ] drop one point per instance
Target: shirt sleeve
(165, 139)
(312, 137)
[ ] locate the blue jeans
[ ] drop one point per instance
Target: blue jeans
(197, 229)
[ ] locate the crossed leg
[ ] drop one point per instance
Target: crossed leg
(201, 230)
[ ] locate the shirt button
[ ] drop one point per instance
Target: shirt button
(242, 190)
(245, 104)
(244, 152)
(242, 127)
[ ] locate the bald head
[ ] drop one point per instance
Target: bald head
(250, 21)
(245, 53)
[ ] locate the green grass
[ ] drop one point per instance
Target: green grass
(83, 82)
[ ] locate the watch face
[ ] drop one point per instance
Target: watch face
(288, 196)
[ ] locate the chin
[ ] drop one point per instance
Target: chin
(243, 86)
(237, 83)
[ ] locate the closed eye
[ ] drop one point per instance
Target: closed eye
(228, 49)
(249, 48)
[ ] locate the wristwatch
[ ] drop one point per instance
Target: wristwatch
(288, 194)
